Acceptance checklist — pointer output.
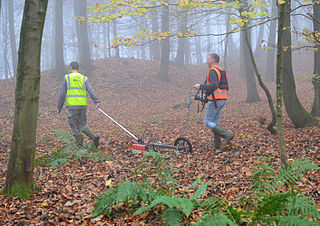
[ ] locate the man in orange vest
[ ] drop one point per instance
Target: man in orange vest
(216, 87)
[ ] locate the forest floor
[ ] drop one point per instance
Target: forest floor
(131, 93)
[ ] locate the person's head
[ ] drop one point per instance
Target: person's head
(213, 59)
(74, 66)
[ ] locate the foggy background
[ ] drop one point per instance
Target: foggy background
(210, 24)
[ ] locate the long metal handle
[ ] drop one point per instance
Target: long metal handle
(119, 124)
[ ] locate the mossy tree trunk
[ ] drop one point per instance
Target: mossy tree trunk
(279, 94)
(298, 115)
(316, 70)
(19, 180)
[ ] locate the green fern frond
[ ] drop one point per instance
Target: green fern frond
(212, 204)
(185, 205)
(104, 204)
(302, 205)
(64, 136)
(267, 182)
(216, 220)
(80, 153)
(201, 190)
(172, 217)
(295, 221)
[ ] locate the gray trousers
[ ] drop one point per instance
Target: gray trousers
(77, 119)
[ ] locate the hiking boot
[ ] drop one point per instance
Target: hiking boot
(79, 141)
(96, 141)
(223, 133)
(217, 141)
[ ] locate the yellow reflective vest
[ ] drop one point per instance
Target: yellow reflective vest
(76, 89)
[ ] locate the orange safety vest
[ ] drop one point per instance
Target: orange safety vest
(219, 94)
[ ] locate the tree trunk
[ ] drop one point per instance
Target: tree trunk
(263, 86)
(114, 26)
(165, 46)
(182, 41)
(19, 180)
(226, 44)
(298, 115)
(271, 43)
(5, 45)
(279, 94)
(252, 93)
(155, 42)
(59, 58)
(259, 51)
(80, 9)
(316, 70)
(198, 50)
(12, 37)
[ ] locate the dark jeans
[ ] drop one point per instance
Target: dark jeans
(77, 119)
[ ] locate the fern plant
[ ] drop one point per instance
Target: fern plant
(67, 151)
(275, 197)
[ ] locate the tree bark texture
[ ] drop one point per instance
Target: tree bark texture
(271, 43)
(279, 94)
(181, 41)
(155, 42)
(252, 93)
(12, 37)
(80, 9)
(227, 43)
(19, 180)
(165, 46)
(5, 46)
(114, 26)
(263, 86)
(316, 70)
(298, 115)
(59, 58)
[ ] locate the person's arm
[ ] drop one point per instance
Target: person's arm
(92, 94)
(213, 78)
(62, 95)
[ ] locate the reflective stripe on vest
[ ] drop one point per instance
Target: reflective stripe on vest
(219, 94)
(76, 89)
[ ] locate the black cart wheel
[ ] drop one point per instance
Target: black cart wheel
(183, 144)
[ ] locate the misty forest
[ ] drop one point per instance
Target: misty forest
(170, 112)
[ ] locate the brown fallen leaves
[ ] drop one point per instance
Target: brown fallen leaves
(152, 110)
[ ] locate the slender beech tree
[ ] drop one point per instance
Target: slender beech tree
(165, 46)
(262, 85)
(181, 41)
(252, 93)
(227, 42)
(271, 43)
(114, 27)
(60, 66)
(155, 28)
(279, 94)
(80, 9)
(12, 37)
(316, 70)
(19, 180)
(298, 115)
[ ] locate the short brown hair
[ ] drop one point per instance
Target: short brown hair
(74, 65)
(215, 57)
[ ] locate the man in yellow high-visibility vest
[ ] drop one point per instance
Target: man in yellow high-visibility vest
(74, 88)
